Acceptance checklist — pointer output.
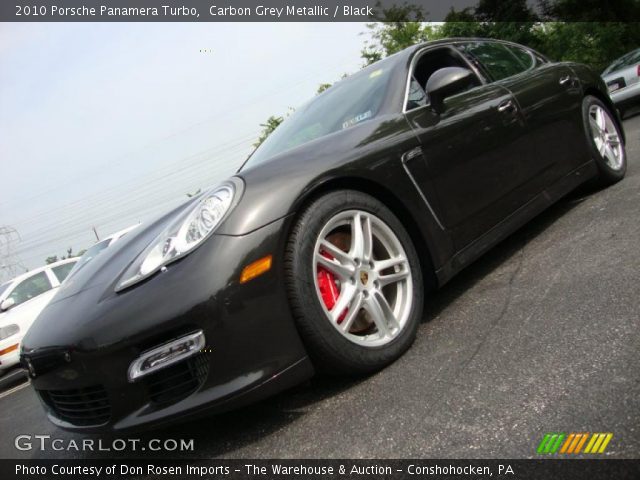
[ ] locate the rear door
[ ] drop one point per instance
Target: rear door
(549, 98)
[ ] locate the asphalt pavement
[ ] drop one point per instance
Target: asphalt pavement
(540, 335)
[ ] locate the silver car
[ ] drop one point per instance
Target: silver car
(623, 79)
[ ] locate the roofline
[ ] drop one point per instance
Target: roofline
(444, 41)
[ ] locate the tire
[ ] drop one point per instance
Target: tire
(604, 140)
(323, 250)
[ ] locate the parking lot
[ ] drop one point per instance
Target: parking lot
(540, 335)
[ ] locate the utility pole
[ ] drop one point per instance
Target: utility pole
(96, 234)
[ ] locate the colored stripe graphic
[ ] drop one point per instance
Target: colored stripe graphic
(581, 443)
(543, 443)
(598, 443)
(572, 443)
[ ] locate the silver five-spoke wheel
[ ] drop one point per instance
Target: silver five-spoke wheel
(362, 278)
(606, 137)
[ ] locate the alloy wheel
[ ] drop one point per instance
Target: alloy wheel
(363, 278)
(606, 137)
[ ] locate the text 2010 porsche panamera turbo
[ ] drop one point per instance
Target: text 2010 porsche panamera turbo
(317, 254)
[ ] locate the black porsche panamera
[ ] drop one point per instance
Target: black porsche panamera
(317, 254)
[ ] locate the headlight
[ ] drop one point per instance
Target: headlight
(184, 235)
(9, 330)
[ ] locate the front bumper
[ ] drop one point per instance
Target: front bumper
(12, 357)
(253, 349)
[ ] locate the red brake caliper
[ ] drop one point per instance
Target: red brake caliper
(329, 288)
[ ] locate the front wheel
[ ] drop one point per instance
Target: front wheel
(354, 283)
(605, 141)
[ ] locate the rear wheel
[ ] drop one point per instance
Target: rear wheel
(354, 283)
(605, 141)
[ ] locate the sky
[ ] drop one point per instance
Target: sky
(105, 125)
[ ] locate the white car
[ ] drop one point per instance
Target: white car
(623, 80)
(21, 301)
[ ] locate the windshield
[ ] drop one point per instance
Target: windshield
(624, 61)
(347, 103)
(4, 287)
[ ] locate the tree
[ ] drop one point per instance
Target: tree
(590, 10)
(397, 28)
(510, 20)
(322, 87)
(571, 30)
(51, 259)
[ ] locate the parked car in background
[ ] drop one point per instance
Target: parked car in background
(91, 253)
(21, 301)
(623, 80)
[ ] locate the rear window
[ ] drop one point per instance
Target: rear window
(498, 60)
(627, 60)
(526, 59)
(62, 271)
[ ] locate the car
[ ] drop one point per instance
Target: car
(99, 246)
(623, 79)
(21, 300)
(318, 254)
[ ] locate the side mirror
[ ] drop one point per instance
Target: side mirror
(7, 304)
(446, 82)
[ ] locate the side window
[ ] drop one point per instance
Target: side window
(496, 59)
(61, 271)
(526, 59)
(417, 96)
(31, 288)
(427, 64)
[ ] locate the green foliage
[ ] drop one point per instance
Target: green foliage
(507, 20)
(582, 36)
(398, 27)
(51, 259)
(590, 10)
(596, 44)
(322, 87)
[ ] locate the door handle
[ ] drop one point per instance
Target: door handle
(411, 154)
(564, 80)
(506, 106)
